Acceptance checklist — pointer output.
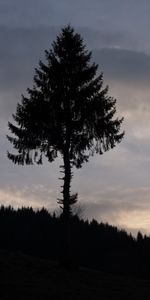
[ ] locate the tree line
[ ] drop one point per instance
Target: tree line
(94, 245)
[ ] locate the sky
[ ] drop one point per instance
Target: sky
(113, 187)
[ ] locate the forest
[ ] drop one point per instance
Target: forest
(93, 245)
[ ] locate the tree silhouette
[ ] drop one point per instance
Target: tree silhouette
(67, 112)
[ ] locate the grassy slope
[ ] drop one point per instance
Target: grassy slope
(23, 277)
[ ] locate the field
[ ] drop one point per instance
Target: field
(24, 277)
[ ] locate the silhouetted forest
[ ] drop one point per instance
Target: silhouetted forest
(93, 245)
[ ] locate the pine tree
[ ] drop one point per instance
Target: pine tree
(67, 112)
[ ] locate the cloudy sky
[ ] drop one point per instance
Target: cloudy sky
(114, 187)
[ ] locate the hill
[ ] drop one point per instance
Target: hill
(92, 245)
(25, 277)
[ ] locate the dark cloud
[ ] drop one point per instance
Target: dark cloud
(124, 65)
(98, 38)
(109, 14)
(20, 51)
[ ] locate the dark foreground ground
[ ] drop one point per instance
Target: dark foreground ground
(23, 277)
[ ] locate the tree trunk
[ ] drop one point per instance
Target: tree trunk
(66, 187)
(66, 208)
